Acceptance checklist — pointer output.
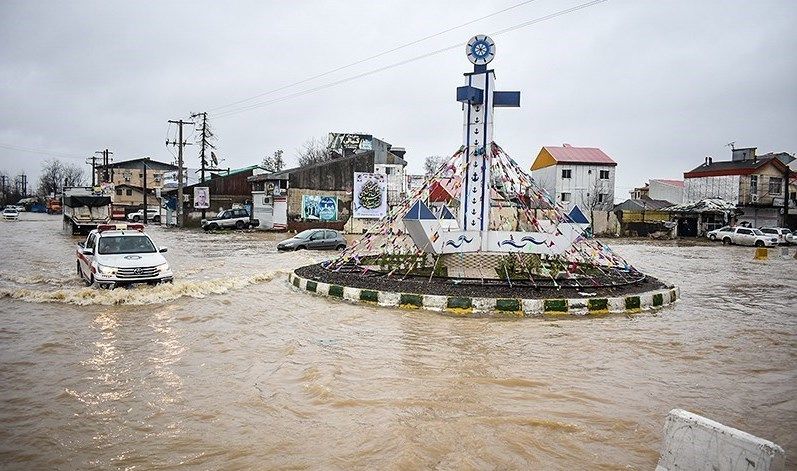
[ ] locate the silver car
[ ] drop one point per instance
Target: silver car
(314, 239)
(781, 233)
(748, 236)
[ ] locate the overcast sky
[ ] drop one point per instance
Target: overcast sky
(658, 85)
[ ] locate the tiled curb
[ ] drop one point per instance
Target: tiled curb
(494, 307)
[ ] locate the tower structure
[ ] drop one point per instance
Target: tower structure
(479, 98)
(470, 232)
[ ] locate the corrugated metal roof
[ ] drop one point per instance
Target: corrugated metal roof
(580, 155)
(732, 167)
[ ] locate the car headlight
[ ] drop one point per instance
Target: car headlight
(106, 270)
(163, 267)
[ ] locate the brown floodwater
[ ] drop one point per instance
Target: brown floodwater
(230, 367)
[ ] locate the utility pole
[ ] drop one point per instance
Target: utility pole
(205, 146)
(93, 161)
(3, 185)
(144, 163)
(106, 160)
(179, 143)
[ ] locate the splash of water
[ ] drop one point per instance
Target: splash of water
(138, 295)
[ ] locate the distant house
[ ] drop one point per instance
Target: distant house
(755, 184)
(124, 182)
(661, 189)
(284, 195)
(582, 176)
(642, 216)
(227, 188)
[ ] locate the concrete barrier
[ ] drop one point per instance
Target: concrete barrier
(695, 442)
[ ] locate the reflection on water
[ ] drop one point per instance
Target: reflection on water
(230, 367)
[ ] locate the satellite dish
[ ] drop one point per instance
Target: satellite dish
(480, 49)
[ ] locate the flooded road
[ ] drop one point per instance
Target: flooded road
(230, 367)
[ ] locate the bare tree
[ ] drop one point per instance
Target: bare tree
(55, 175)
(274, 163)
(432, 164)
(313, 151)
(597, 197)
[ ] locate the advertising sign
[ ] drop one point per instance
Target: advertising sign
(318, 207)
(350, 141)
(370, 195)
(201, 197)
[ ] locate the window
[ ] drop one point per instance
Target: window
(330, 235)
(125, 244)
(775, 185)
(119, 191)
(726, 229)
(604, 175)
(388, 170)
(769, 231)
(745, 231)
(317, 235)
(602, 197)
(565, 197)
(129, 192)
(567, 173)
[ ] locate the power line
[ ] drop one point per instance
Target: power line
(534, 21)
(42, 151)
(375, 56)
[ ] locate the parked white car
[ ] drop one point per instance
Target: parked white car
(10, 213)
(717, 234)
(780, 232)
(153, 215)
(121, 254)
(748, 236)
(791, 238)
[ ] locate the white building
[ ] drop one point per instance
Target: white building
(582, 176)
(661, 189)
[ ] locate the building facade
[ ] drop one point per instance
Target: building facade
(755, 184)
(582, 176)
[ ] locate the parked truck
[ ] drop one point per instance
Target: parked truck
(84, 209)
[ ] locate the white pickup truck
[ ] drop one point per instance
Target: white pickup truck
(121, 254)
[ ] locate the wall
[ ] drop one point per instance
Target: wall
(725, 187)
(134, 175)
(663, 191)
(584, 181)
(764, 196)
(295, 202)
(396, 181)
(695, 442)
(336, 175)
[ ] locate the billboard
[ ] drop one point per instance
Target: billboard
(349, 141)
(201, 197)
(319, 207)
(370, 195)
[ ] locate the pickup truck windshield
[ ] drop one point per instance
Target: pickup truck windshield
(125, 244)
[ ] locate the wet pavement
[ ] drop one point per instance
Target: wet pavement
(230, 367)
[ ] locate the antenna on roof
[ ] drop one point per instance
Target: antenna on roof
(732, 145)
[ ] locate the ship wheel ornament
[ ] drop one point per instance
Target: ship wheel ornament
(480, 49)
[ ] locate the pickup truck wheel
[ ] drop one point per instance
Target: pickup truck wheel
(239, 224)
(712, 237)
(156, 219)
(759, 243)
(726, 241)
(136, 218)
